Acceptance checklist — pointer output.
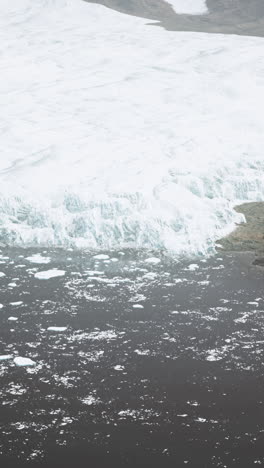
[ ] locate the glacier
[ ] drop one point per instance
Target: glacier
(115, 133)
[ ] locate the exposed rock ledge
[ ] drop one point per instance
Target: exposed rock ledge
(249, 236)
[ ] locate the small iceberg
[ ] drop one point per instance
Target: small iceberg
(13, 319)
(2, 274)
(22, 361)
(57, 329)
(5, 357)
(101, 257)
(38, 259)
(138, 306)
(153, 260)
(45, 275)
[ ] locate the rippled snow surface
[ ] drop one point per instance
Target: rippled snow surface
(114, 132)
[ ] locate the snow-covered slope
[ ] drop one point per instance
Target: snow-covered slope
(115, 133)
(189, 7)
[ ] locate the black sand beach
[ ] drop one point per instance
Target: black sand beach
(241, 17)
(161, 364)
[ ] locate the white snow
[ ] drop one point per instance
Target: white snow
(45, 275)
(117, 133)
(189, 7)
(38, 259)
(57, 329)
(22, 361)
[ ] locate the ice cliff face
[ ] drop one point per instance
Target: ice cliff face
(115, 133)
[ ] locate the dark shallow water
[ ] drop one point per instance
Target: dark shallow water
(178, 382)
(244, 17)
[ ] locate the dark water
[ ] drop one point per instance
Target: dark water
(245, 17)
(178, 382)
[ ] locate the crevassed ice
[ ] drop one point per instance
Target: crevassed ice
(115, 133)
(189, 7)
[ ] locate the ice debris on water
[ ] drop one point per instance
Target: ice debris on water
(138, 306)
(193, 267)
(22, 361)
(38, 259)
(5, 357)
(14, 319)
(101, 257)
(45, 275)
(57, 329)
(153, 260)
(2, 274)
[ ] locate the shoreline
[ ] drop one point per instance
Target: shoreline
(248, 237)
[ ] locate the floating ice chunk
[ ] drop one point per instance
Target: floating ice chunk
(39, 259)
(45, 275)
(101, 257)
(1, 306)
(193, 267)
(12, 285)
(214, 355)
(18, 303)
(189, 7)
(2, 274)
(5, 357)
(119, 368)
(90, 400)
(13, 319)
(138, 306)
(57, 329)
(153, 260)
(114, 259)
(21, 361)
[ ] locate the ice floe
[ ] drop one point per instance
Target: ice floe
(38, 259)
(57, 329)
(48, 274)
(22, 361)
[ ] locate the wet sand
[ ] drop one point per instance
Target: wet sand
(160, 363)
(243, 17)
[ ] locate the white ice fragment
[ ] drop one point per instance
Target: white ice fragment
(1, 306)
(202, 420)
(101, 257)
(153, 260)
(12, 285)
(193, 267)
(57, 329)
(5, 357)
(45, 275)
(13, 319)
(22, 361)
(38, 259)
(138, 306)
(18, 303)
(2, 274)
(119, 368)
